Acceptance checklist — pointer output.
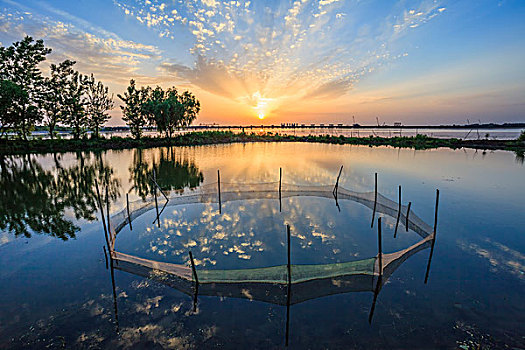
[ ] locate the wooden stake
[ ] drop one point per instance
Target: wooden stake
(127, 208)
(280, 184)
(336, 187)
(109, 219)
(379, 247)
(375, 202)
(105, 256)
(434, 236)
(156, 205)
(115, 306)
(376, 293)
(219, 189)
(289, 259)
(398, 212)
(102, 214)
(194, 270)
(288, 299)
(408, 213)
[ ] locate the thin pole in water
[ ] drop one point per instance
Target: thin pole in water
(289, 286)
(336, 187)
(109, 219)
(375, 201)
(288, 297)
(376, 293)
(408, 213)
(127, 208)
(398, 213)
(115, 306)
(102, 213)
(193, 269)
(280, 184)
(434, 236)
(219, 189)
(105, 256)
(156, 204)
(289, 259)
(379, 247)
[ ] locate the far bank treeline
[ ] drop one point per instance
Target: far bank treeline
(67, 98)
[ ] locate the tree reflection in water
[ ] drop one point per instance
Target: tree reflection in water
(174, 173)
(36, 200)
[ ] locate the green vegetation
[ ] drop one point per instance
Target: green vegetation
(218, 137)
(79, 102)
(167, 110)
(522, 136)
(65, 97)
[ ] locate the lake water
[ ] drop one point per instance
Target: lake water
(55, 290)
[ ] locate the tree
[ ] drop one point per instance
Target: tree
(74, 102)
(19, 64)
(98, 102)
(54, 94)
(133, 110)
(11, 97)
(192, 107)
(170, 111)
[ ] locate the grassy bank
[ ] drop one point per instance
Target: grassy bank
(219, 137)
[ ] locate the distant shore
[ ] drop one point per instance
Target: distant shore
(8, 147)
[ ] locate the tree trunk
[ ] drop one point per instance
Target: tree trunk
(52, 130)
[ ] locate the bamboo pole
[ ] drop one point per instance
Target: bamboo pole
(375, 201)
(408, 213)
(105, 256)
(196, 290)
(102, 214)
(219, 189)
(280, 185)
(288, 299)
(289, 258)
(109, 219)
(156, 205)
(115, 306)
(434, 236)
(398, 213)
(289, 286)
(336, 187)
(379, 247)
(193, 269)
(127, 208)
(376, 293)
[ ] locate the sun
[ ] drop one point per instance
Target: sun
(261, 115)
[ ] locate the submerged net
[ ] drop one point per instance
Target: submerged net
(363, 271)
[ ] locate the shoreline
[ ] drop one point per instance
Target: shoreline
(13, 147)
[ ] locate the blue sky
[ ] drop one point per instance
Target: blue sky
(421, 61)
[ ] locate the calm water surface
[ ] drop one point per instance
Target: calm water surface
(55, 290)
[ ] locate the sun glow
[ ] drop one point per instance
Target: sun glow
(261, 115)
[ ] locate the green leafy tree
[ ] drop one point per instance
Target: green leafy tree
(133, 110)
(74, 105)
(11, 97)
(54, 94)
(191, 109)
(170, 111)
(98, 102)
(19, 64)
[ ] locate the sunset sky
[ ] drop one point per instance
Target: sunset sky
(305, 61)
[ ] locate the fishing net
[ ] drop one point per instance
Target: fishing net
(223, 192)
